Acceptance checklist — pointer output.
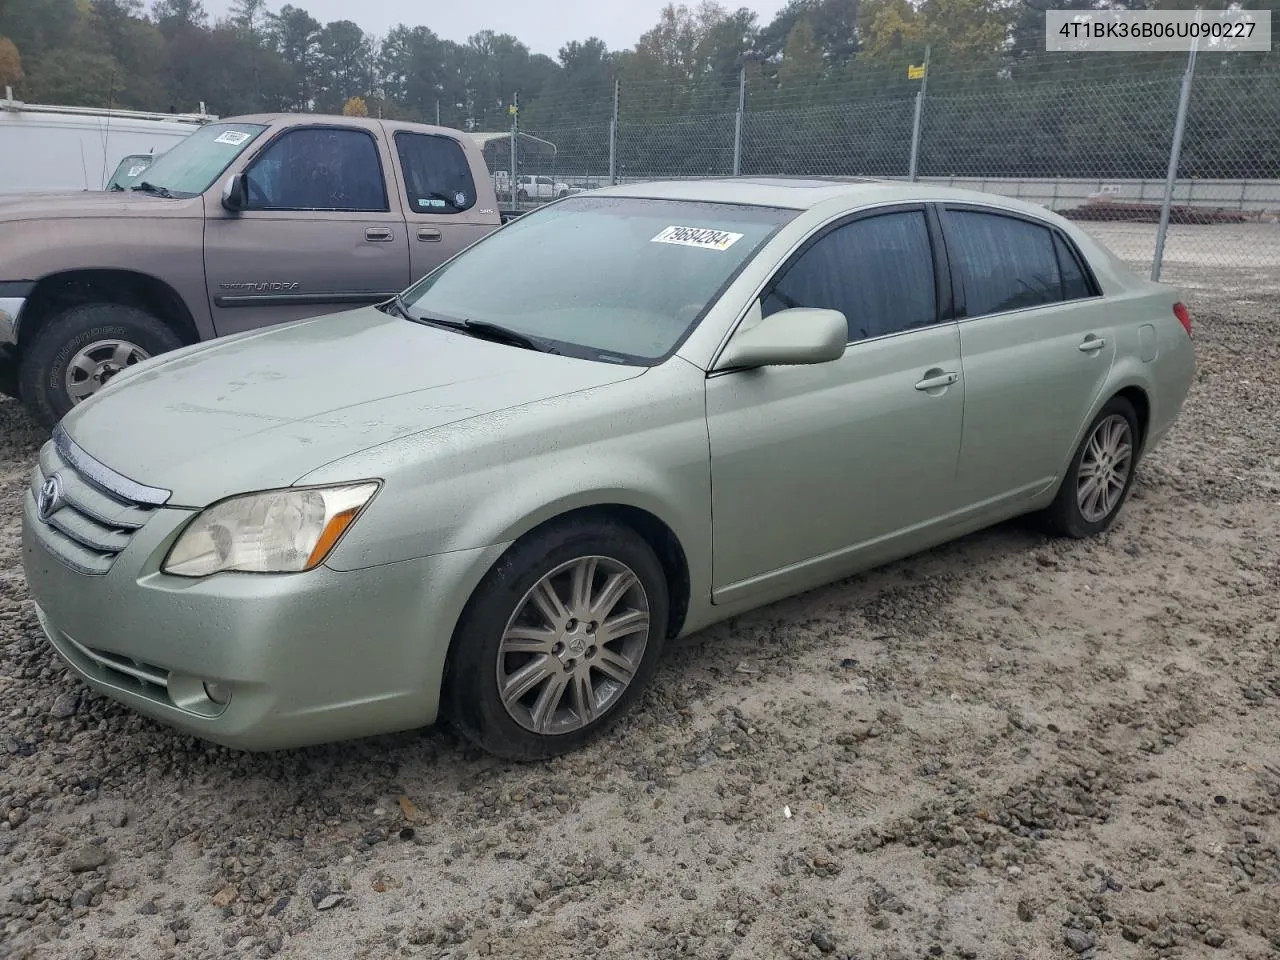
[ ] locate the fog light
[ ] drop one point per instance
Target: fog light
(217, 693)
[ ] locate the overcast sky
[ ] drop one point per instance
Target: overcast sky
(544, 25)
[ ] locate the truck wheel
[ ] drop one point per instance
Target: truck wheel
(523, 195)
(80, 349)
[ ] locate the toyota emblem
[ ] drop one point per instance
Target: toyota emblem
(50, 498)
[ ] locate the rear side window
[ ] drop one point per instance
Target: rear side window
(877, 271)
(1075, 285)
(1003, 263)
(319, 169)
(437, 176)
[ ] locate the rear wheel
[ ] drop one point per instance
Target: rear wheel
(1100, 476)
(558, 640)
(73, 355)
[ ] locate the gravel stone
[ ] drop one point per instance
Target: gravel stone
(823, 940)
(1078, 940)
(86, 858)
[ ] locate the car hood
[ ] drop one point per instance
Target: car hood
(257, 411)
(91, 203)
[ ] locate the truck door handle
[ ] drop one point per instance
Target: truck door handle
(429, 235)
(1092, 344)
(378, 234)
(937, 378)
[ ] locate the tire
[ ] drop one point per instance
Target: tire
(1074, 513)
(523, 195)
(46, 360)
(478, 663)
(562, 194)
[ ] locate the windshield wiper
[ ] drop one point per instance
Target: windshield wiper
(501, 334)
(483, 330)
(114, 187)
(146, 186)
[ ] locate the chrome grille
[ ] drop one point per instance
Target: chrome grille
(90, 513)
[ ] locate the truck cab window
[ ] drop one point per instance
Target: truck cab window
(319, 169)
(437, 175)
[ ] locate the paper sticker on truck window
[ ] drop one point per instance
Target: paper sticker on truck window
(233, 137)
(698, 237)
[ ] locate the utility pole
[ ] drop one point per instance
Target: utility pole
(737, 122)
(915, 123)
(613, 137)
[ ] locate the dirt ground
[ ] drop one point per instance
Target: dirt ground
(1008, 747)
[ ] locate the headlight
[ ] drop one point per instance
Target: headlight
(278, 531)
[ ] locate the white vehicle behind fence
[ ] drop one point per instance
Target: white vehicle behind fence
(54, 148)
(532, 187)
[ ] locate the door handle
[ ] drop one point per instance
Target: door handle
(429, 235)
(378, 234)
(937, 378)
(1092, 344)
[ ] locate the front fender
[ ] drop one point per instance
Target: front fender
(168, 248)
(640, 443)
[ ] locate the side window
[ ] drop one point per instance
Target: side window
(1003, 263)
(319, 169)
(544, 181)
(437, 175)
(1075, 285)
(877, 271)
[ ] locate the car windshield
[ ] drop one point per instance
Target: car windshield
(191, 166)
(128, 170)
(614, 278)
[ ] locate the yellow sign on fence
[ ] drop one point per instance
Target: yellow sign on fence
(915, 73)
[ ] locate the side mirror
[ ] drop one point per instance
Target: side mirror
(235, 192)
(787, 338)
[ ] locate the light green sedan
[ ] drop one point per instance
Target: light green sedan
(612, 422)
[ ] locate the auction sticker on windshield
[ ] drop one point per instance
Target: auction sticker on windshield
(233, 137)
(698, 237)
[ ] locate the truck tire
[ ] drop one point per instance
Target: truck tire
(79, 349)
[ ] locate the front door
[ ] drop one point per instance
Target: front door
(321, 232)
(821, 468)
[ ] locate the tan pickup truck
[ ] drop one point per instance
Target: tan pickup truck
(249, 221)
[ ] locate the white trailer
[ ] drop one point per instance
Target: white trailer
(49, 149)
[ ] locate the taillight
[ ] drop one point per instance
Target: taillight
(1184, 318)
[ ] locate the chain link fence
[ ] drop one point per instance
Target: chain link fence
(1092, 144)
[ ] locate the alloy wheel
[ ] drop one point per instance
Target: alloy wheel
(573, 645)
(1104, 468)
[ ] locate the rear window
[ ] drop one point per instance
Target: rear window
(1004, 263)
(437, 176)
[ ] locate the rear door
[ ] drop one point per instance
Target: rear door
(322, 231)
(1037, 343)
(442, 207)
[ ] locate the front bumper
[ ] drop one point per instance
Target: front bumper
(307, 658)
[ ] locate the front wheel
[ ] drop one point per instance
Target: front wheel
(73, 355)
(1101, 474)
(558, 640)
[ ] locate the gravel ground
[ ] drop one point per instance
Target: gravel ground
(1008, 747)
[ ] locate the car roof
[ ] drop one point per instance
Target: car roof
(804, 193)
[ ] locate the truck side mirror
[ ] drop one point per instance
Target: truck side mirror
(235, 193)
